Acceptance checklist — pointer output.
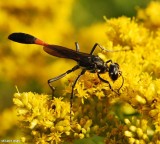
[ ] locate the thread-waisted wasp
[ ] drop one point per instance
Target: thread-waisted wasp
(88, 62)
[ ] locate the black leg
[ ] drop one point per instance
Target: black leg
(59, 77)
(96, 44)
(109, 61)
(105, 81)
(122, 82)
(94, 47)
(72, 93)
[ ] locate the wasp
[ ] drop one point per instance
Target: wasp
(85, 61)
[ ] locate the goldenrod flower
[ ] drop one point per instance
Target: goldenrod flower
(150, 16)
(46, 120)
(97, 110)
(137, 131)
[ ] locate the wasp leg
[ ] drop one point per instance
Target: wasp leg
(77, 47)
(105, 81)
(72, 93)
(59, 77)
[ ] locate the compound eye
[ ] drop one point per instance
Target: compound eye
(114, 71)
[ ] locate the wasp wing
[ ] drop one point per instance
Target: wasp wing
(63, 52)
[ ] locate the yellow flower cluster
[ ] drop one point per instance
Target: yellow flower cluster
(141, 70)
(150, 16)
(138, 131)
(43, 119)
(131, 117)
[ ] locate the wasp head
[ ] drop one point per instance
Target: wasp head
(114, 71)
